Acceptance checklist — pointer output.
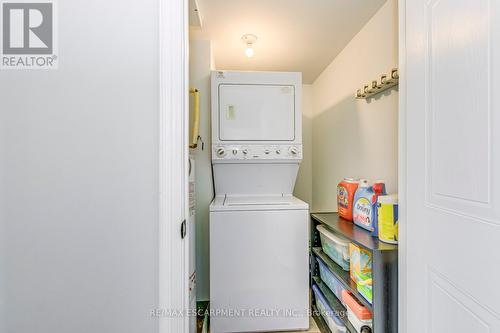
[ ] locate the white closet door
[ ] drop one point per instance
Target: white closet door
(451, 164)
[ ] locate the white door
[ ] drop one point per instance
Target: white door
(450, 163)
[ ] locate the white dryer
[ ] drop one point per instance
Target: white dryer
(259, 232)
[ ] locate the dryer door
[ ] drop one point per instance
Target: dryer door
(255, 112)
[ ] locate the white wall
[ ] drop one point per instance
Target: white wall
(355, 137)
(200, 65)
(80, 157)
(303, 185)
(3, 252)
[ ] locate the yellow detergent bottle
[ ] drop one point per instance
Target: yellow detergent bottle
(388, 218)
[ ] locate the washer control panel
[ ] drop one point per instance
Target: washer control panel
(256, 152)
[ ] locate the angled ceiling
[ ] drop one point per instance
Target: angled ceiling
(293, 35)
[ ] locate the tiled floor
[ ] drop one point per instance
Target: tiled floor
(313, 328)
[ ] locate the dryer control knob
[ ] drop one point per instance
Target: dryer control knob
(220, 152)
(294, 151)
(245, 151)
(235, 151)
(267, 151)
(278, 151)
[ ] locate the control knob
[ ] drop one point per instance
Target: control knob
(220, 152)
(294, 151)
(235, 151)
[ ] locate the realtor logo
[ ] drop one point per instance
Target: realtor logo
(28, 35)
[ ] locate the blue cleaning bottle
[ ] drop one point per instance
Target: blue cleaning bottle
(363, 208)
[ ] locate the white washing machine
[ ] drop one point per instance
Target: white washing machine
(191, 229)
(259, 232)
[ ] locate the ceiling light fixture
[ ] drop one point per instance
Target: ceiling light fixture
(249, 40)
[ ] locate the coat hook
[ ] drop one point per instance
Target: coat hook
(386, 82)
(395, 74)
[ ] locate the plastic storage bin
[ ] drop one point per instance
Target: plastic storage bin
(334, 323)
(358, 314)
(330, 280)
(335, 246)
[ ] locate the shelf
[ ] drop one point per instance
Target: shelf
(384, 266)
(356, 234)
(335, 304)
(342, 276)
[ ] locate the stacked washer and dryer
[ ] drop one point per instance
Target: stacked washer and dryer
(259, 232)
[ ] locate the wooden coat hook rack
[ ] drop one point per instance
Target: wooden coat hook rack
(378, 86)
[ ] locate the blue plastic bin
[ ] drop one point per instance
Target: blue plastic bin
(332, 320)
(330, 280)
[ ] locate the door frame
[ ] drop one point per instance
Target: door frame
(173, 162)
(402, 171)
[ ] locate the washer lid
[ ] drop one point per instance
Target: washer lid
(239, 202)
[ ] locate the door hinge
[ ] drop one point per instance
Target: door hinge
(183, 229)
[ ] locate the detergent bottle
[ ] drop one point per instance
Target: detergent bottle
(388, 218)
(345, 197)
(363, 208)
